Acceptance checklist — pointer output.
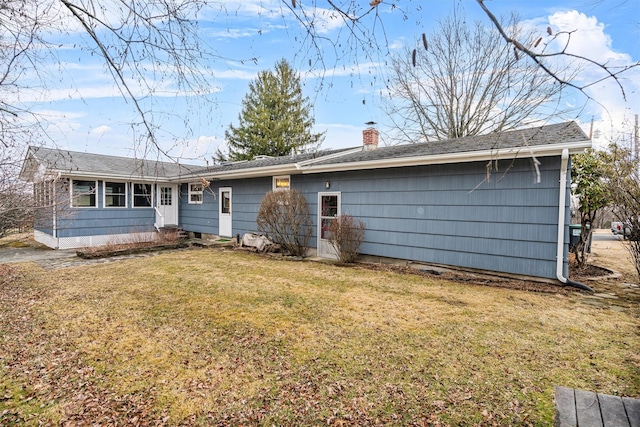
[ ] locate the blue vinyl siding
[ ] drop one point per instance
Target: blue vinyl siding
(78, 222)
(246, 196)
(445, 214)
(450, 214)
(199, 218)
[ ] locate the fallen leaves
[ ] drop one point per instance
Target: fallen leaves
(206, 338)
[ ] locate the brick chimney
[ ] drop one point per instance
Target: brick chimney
(370, 139)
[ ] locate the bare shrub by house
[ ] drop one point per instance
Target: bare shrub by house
(345, 235)
(284, 217)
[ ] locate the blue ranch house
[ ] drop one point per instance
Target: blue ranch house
(497, 202)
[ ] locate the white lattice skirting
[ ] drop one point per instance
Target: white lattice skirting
(91, 241)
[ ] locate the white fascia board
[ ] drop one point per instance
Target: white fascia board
(287, 169)
(464, 157)
(284, 169)
(111, 176)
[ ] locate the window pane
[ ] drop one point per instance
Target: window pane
(226, 202)
(115, 201)
(142, 195)
(195, 192)
(165, 196)
(329, 205)
(115, 194)
(142, 201)
(115, 188)
(84, 193)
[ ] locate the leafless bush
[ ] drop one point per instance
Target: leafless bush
(346, 235)
(284, 217)
(170, 236)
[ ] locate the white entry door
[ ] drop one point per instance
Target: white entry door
(224, 219)
(328, 210)
(168, 203)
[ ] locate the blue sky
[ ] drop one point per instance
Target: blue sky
(86, 112)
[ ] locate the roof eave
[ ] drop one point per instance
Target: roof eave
(113, 176)
(289, 168)
(462, 157)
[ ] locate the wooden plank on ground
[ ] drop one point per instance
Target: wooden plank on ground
(612, 410)
(565, 407)
(632, 407)
(588, 409)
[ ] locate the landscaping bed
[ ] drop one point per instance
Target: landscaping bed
(110, 251)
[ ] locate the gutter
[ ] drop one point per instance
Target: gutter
(561, 218)
(102, 177)
(255, 172)
(433, 159)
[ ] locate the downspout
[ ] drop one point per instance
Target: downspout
(561, 218)
(54, 208)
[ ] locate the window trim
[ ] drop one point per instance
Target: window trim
(126, 194)
(95, 186)
(276, 178)
(191, 192)
(133, 195)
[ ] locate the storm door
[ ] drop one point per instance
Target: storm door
(328, 210)
(168, 204)
(224, 218)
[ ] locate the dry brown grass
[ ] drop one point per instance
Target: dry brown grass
(202, 337)
(614, 255)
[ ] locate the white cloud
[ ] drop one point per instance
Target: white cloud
(236, 74)
(585, 36)
(100, 130)
(589, 39)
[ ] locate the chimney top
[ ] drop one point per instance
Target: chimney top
(370, 138)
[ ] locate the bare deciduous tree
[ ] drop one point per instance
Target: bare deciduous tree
(364, 34)
(624, 190)
(147, 47)
(467, 82)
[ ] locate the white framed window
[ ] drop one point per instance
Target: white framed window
(115, 194)
(195, 193)
(83, 193)
(142, 195)
(282, 182)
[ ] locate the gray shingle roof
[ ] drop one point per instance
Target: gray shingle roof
(271, 161)
(538, 136)
(70, 162)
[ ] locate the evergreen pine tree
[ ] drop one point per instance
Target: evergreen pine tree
(275, 119)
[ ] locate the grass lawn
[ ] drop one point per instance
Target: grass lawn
(203, 337)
